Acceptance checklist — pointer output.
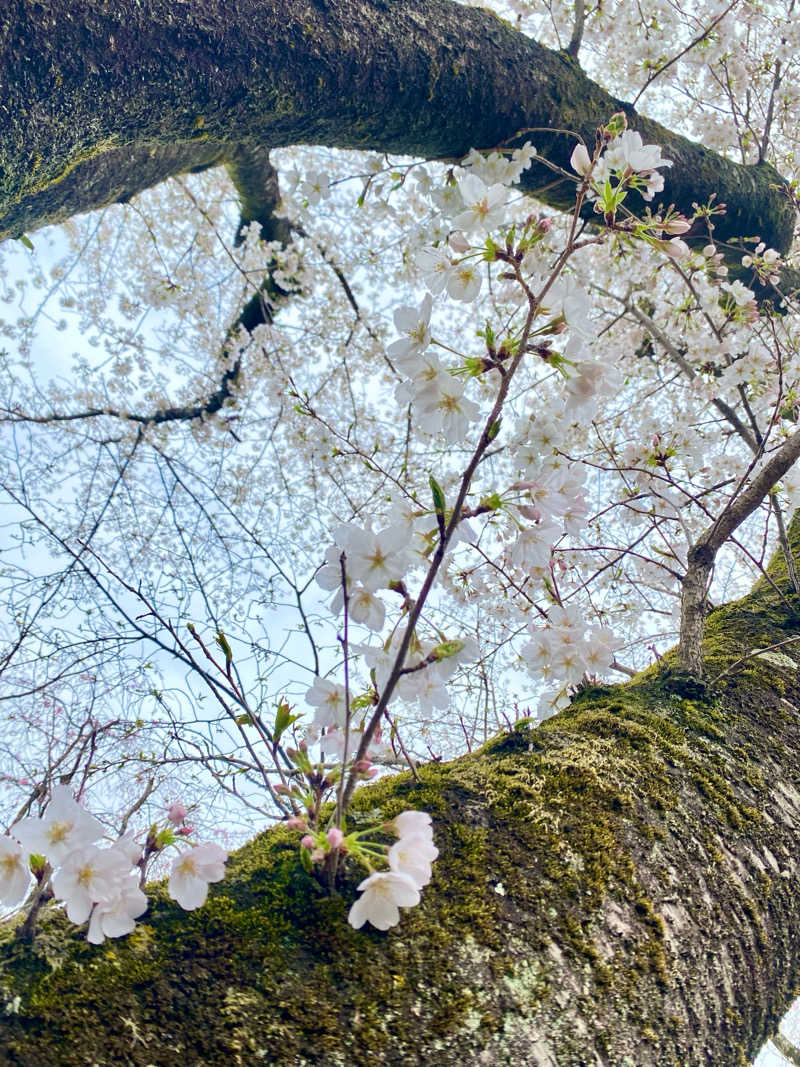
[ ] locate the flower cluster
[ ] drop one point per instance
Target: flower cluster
(564, 650)
(627, 160)
(101, 885)
(383, 893)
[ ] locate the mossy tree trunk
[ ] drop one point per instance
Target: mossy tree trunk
(99, 101)
(617, 887)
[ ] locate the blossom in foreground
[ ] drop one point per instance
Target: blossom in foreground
(115, 915)
(14, 874)
(464, 283)
(86, 876)
(435, 267)
(413, 823)
(192, 871)
(626, 154)
(484, 206)
(383, 894)
(580, 160)
(316, 187)
(330, 700)
(374, 559)
(740, 293)
(366, 608)
(628, 150)
(443, 408)
(65, 826)
(413, 856)
(415, 325)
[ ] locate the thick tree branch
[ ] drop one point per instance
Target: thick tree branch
(101, 102)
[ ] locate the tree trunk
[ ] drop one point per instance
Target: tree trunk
(617, 887)
(99, 101)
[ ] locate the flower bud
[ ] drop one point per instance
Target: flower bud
(176, 813)
(296, 823)
(677, 225)
(677, 249)
(307, 841)
(334, 837)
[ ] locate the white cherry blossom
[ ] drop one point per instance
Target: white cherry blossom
(464, 281)
(413, 855)
(374, 559)
(115, 915)
(382, 895)
(192, 871)
(413, 824)
(15, 876)
(329, 699)
(65, 826)
(88, 875)
(415, 324)
(484, 207)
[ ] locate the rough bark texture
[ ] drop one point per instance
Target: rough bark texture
(99, 101)
(618, 887)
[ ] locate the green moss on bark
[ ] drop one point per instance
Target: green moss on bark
(604, 884)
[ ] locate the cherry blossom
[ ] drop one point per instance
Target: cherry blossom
(88, 875)
(413, 855)
(435, 268)
(416, 326)
(413, 824)
(464, 281)
(374, 559)
(329, 698)
(484, 208)
(15, 876)
(742, 296)
(628, 150)
(115, 915)
(192, 871)
(64, 827)
(580, 160)
(382, 895)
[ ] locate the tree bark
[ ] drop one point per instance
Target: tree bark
(99, 101)
(618, 887)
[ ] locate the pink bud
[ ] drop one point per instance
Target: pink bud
(185, 830)
(307, 841)
(362, 766)
(334, 837)
(176, 813)
(296, 823)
